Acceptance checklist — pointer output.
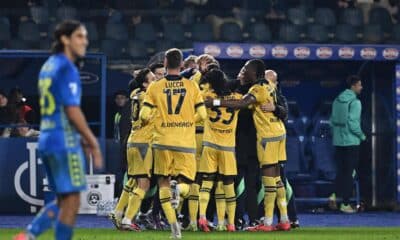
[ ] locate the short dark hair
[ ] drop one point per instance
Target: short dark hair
(258, 66)
(214, 65)
(65, 28)
(154, 66)
(174, 58)
(121, 92)
(139, 79)
(352, 80)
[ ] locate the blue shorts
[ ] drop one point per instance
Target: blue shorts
(65, 170)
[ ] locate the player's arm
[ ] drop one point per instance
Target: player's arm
(148, 105)
(354, 120)
(245, 102)
(201, 111)
(70, 97)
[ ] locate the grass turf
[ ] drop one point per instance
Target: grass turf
(390, 233)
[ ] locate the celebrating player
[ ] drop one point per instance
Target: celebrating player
(270, 141)
(63, 131)
(218, 156)
(140, 159)
(176, 99)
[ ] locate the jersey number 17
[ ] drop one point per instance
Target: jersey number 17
(169, 92)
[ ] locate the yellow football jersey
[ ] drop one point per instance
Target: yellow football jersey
(176, 100)
(220, 126)
(196, 77)
(267, 124)
(139, 133)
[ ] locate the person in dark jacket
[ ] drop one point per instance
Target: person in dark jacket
(281, 111)
(122, 127)
(347, 136)
(248, 179)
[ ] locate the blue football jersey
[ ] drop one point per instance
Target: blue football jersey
(59, 86)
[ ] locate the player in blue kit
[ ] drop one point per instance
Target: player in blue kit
(65, 134)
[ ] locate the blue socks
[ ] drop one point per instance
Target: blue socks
(43, 221)
(63, 231)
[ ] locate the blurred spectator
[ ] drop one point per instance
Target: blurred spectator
(120, 99)
(5, 115)
(158, 69)
(277, 11)
(122, 128)
(24, 130)
(20, 110)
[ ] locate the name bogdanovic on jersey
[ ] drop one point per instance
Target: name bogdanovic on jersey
(176, 99)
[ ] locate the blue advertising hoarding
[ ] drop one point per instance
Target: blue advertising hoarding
(299, 51)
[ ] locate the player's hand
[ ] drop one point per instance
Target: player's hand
(268, 107)
(94, 152)
(208, 102)
(97, 158)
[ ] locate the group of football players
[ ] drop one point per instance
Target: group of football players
(183, 141)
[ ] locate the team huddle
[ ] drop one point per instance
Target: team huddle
(183, 135)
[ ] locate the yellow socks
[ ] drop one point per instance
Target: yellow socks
(281, 199)
(135, 200)
(184, 189)
(194, 202)
(124, 198)
(204, 196)
(230, 198)
(220, 203)
(269, 198)
(165, 199)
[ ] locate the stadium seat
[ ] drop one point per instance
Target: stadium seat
(318, 33)
(163, 45)
(40, 15)
(345, 33)
(92, 31)
(116, 31)
(325, 17)
(289, 33)
(22, 45)
(66, 12)
(5, 34)
(381, 16)
(45, 44)
(396, 33)
(202, 32)
(352, 16)
(28, 31)
(5, 21)
(174, 32)
(137, 49)
(113, 48)
(373, 33)
(231, 32)
(294, 146)
(297, 16)
(322, 147)
(259, 32)
(145, 32)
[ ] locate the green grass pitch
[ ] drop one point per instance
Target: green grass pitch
(347, 233)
